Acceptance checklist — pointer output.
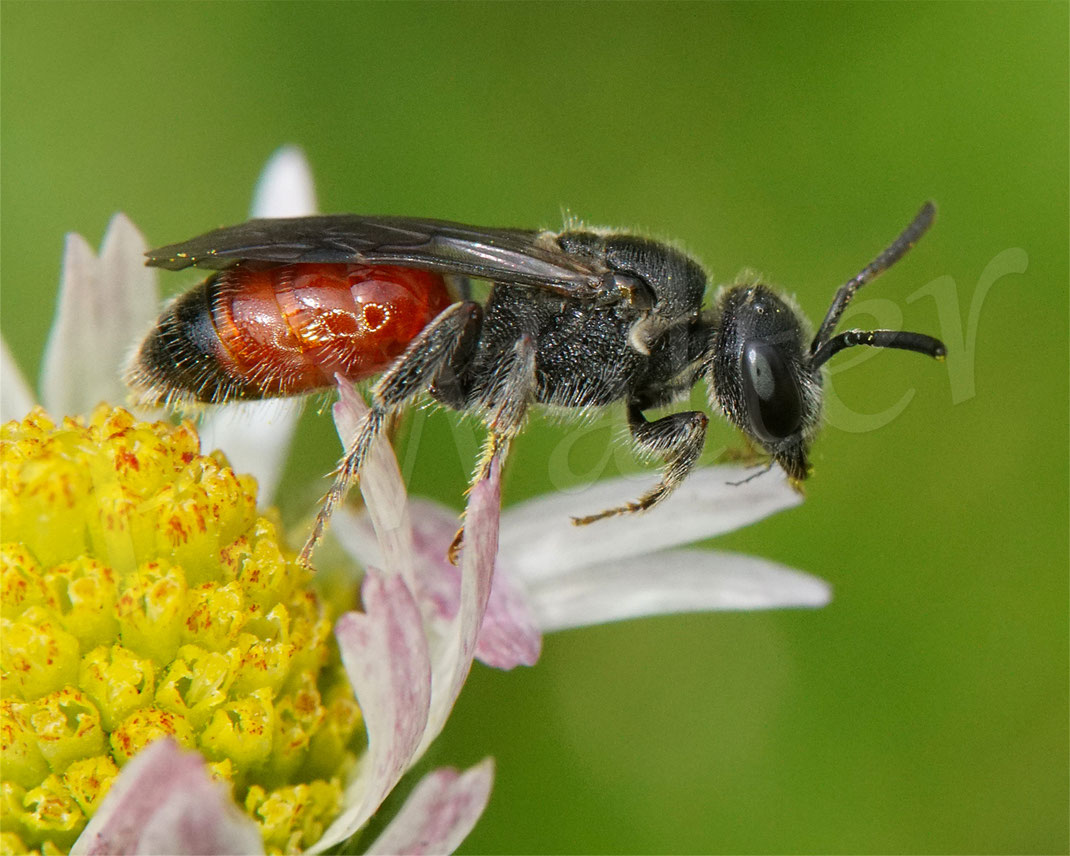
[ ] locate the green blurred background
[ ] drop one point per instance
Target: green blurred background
(924, 711)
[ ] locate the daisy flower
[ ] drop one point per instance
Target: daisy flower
(164, 660)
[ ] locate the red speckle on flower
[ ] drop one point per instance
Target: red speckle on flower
(254, 659)
(305, 703)
(68, 491)
(177, 530)
(126, 460)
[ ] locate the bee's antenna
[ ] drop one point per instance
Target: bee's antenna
(909, 237)
(917, 342)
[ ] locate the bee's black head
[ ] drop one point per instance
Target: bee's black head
(760, 373)
(764, 369)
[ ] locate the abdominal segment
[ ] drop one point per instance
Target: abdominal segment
(249, 333)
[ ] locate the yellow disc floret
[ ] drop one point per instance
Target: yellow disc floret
(143, 596)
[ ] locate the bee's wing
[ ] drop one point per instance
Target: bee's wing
(499, 255)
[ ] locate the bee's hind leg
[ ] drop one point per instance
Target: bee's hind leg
(413, 372)
(679, 436)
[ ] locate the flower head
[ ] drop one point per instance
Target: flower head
(145, 597)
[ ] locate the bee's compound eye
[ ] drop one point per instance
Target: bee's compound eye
(774, 401)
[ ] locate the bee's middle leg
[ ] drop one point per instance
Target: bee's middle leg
(512, 393)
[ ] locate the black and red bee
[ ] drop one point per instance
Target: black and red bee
(574, 319)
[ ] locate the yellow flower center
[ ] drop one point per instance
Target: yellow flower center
(143, 596)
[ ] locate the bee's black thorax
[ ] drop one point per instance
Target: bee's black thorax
(588, 354)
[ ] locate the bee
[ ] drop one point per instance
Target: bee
(575, 319)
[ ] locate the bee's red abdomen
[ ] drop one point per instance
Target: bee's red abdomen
(256, 333)
(289, 330)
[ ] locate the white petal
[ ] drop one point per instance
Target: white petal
(128, 281)
(381, 486)
(452, 659)
(354, 531)
(103, 305)
(286, 188)
(16, 398)
(255, 436)
(64, 366)
(672, 582)
(384, 651)
(539, 540)
(439, 813)
(164, 801)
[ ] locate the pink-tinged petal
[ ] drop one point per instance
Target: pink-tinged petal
(381, 486)
(285, 188)
(385, 655)
(164, 801)
(452, 658)
(539, 540)
(16, 398)
(255, 436)
(672, 582)
(439, 813)
(509, 637)
(104, 304)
